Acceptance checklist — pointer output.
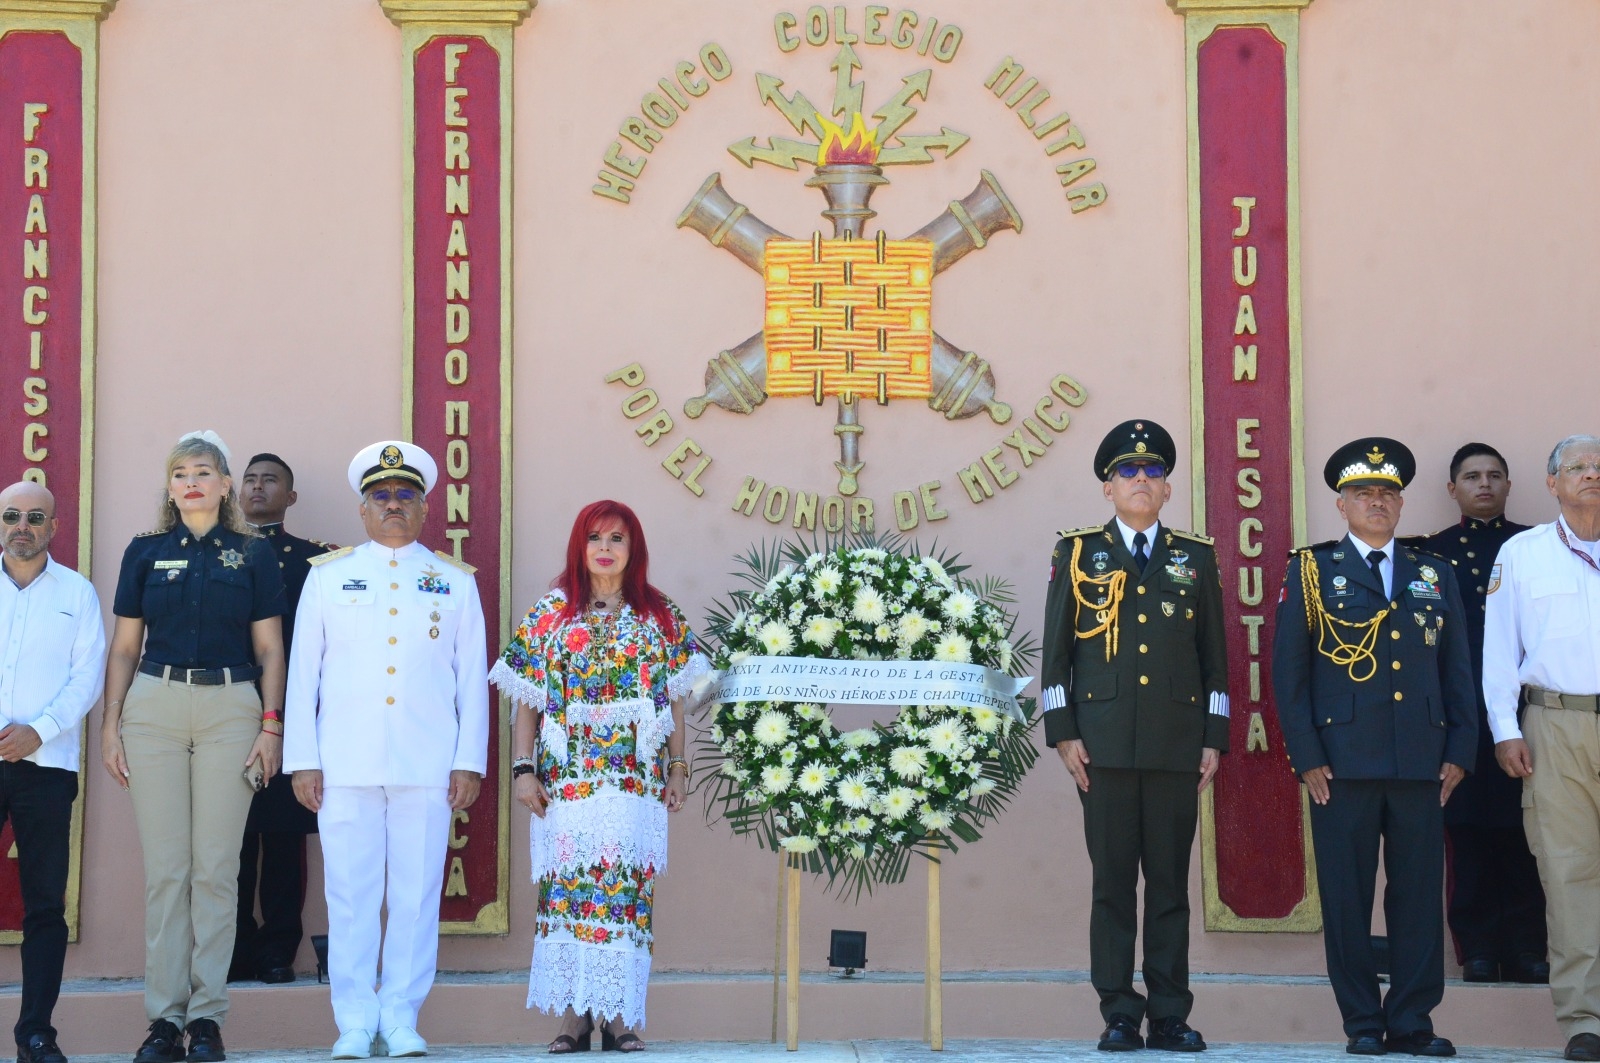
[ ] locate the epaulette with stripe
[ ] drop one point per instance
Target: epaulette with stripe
(1194, 537)
(322, 559)
(1313, 546)
(325, 546)
(452, 559)
(1074, 533)
(146, 535)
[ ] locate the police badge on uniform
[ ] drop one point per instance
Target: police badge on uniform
(231, 559)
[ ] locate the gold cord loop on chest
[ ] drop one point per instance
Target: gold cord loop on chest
(1348, 655)
(1105, 610)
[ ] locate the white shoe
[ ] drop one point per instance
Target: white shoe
(404, 1041)
(357, 1044)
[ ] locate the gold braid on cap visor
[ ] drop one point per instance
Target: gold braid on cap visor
(1348, 655)
(1369, 472)
(1105, 610)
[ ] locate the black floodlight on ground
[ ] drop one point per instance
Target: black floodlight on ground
(848, 949)
(319, 945)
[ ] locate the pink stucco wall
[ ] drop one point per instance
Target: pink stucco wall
(250, 281)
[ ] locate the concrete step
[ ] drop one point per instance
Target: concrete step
(1058, 1007)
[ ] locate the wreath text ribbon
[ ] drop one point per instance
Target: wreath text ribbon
(895, 683)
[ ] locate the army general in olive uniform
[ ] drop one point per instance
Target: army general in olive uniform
(1373, 680)
(1135, 695)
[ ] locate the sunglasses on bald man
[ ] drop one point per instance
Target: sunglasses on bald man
(1129, 469)
(36, 517)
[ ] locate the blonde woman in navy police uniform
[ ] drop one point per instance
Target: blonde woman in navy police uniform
(1135, 688)
(193, 726)
(1373, 680)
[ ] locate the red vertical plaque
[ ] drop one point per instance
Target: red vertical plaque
(458, 377)
(46, 328)
(1245, 371)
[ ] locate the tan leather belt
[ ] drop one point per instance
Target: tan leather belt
(1554, 699)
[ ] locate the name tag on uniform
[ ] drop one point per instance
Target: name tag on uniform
(354, 585)
(1180, 574)
(179, 563)
(1342, 588)
(1421, 588)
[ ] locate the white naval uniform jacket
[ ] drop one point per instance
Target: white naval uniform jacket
(388, 681)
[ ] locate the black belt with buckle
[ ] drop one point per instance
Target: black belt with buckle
(202, 677)
(1553, 699)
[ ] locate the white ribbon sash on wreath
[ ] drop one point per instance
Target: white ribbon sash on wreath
(894, 683)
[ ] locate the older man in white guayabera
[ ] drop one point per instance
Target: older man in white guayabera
(1541, 653)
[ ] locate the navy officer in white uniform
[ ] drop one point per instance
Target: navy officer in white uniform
(388, 735)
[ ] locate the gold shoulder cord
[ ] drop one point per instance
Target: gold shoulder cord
(1105, 613)
(1348, 654)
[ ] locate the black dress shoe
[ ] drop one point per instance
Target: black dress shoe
(1421, 1043)
(163, 1045)
(40, 1048)
(1367, 1044)
(1480, 969)
(1172, 1034)
(205, 1042)
(1121, 1035)
(276, 975)
(1583, 1046)
(1529, 968)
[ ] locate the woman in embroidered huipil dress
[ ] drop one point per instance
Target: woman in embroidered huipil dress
(605, 663)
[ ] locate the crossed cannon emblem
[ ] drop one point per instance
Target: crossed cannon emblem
(849, 318)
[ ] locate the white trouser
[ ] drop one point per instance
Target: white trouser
(367, 830)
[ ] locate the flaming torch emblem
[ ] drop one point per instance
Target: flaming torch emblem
(850, 318)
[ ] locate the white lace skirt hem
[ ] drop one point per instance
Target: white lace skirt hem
(616, 827)
(607, 980)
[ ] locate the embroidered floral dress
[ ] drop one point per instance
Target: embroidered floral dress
(605, 683)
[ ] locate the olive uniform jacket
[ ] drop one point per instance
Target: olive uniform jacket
(1139, 692)
(1403, 713)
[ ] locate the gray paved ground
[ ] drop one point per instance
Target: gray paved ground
(885, 1052)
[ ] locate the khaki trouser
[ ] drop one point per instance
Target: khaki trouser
(1561, 812)
(186, 747)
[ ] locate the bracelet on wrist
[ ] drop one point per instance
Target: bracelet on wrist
(519, 769)
(679, 762)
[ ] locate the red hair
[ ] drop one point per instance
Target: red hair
(637, 590)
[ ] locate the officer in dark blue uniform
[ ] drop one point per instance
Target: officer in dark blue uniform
(1373, 678)
(1496, 905)
(273, 859)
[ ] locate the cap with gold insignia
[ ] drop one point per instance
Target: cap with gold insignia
(392, 459)
(1373, 460)
(1138, 441)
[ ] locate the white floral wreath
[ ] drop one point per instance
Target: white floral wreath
(857, 803)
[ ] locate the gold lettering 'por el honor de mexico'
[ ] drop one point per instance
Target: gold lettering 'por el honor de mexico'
(850, 317)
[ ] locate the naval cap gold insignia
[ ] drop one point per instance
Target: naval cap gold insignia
(391, 457)
(1375, 456)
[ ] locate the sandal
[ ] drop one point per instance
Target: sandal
(626, 1041)
(566, 1042)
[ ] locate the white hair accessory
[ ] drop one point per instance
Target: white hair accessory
(206, 435)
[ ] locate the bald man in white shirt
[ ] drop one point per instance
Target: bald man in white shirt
(52, 668)
(1541, 653)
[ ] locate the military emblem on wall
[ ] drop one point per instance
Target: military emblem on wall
(850, 317)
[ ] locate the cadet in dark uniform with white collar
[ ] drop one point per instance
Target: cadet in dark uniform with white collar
(273, 858)
(1496, 905)
(1135, 692)
(1371, 671)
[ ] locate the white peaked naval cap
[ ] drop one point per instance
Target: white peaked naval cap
(392, 459)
